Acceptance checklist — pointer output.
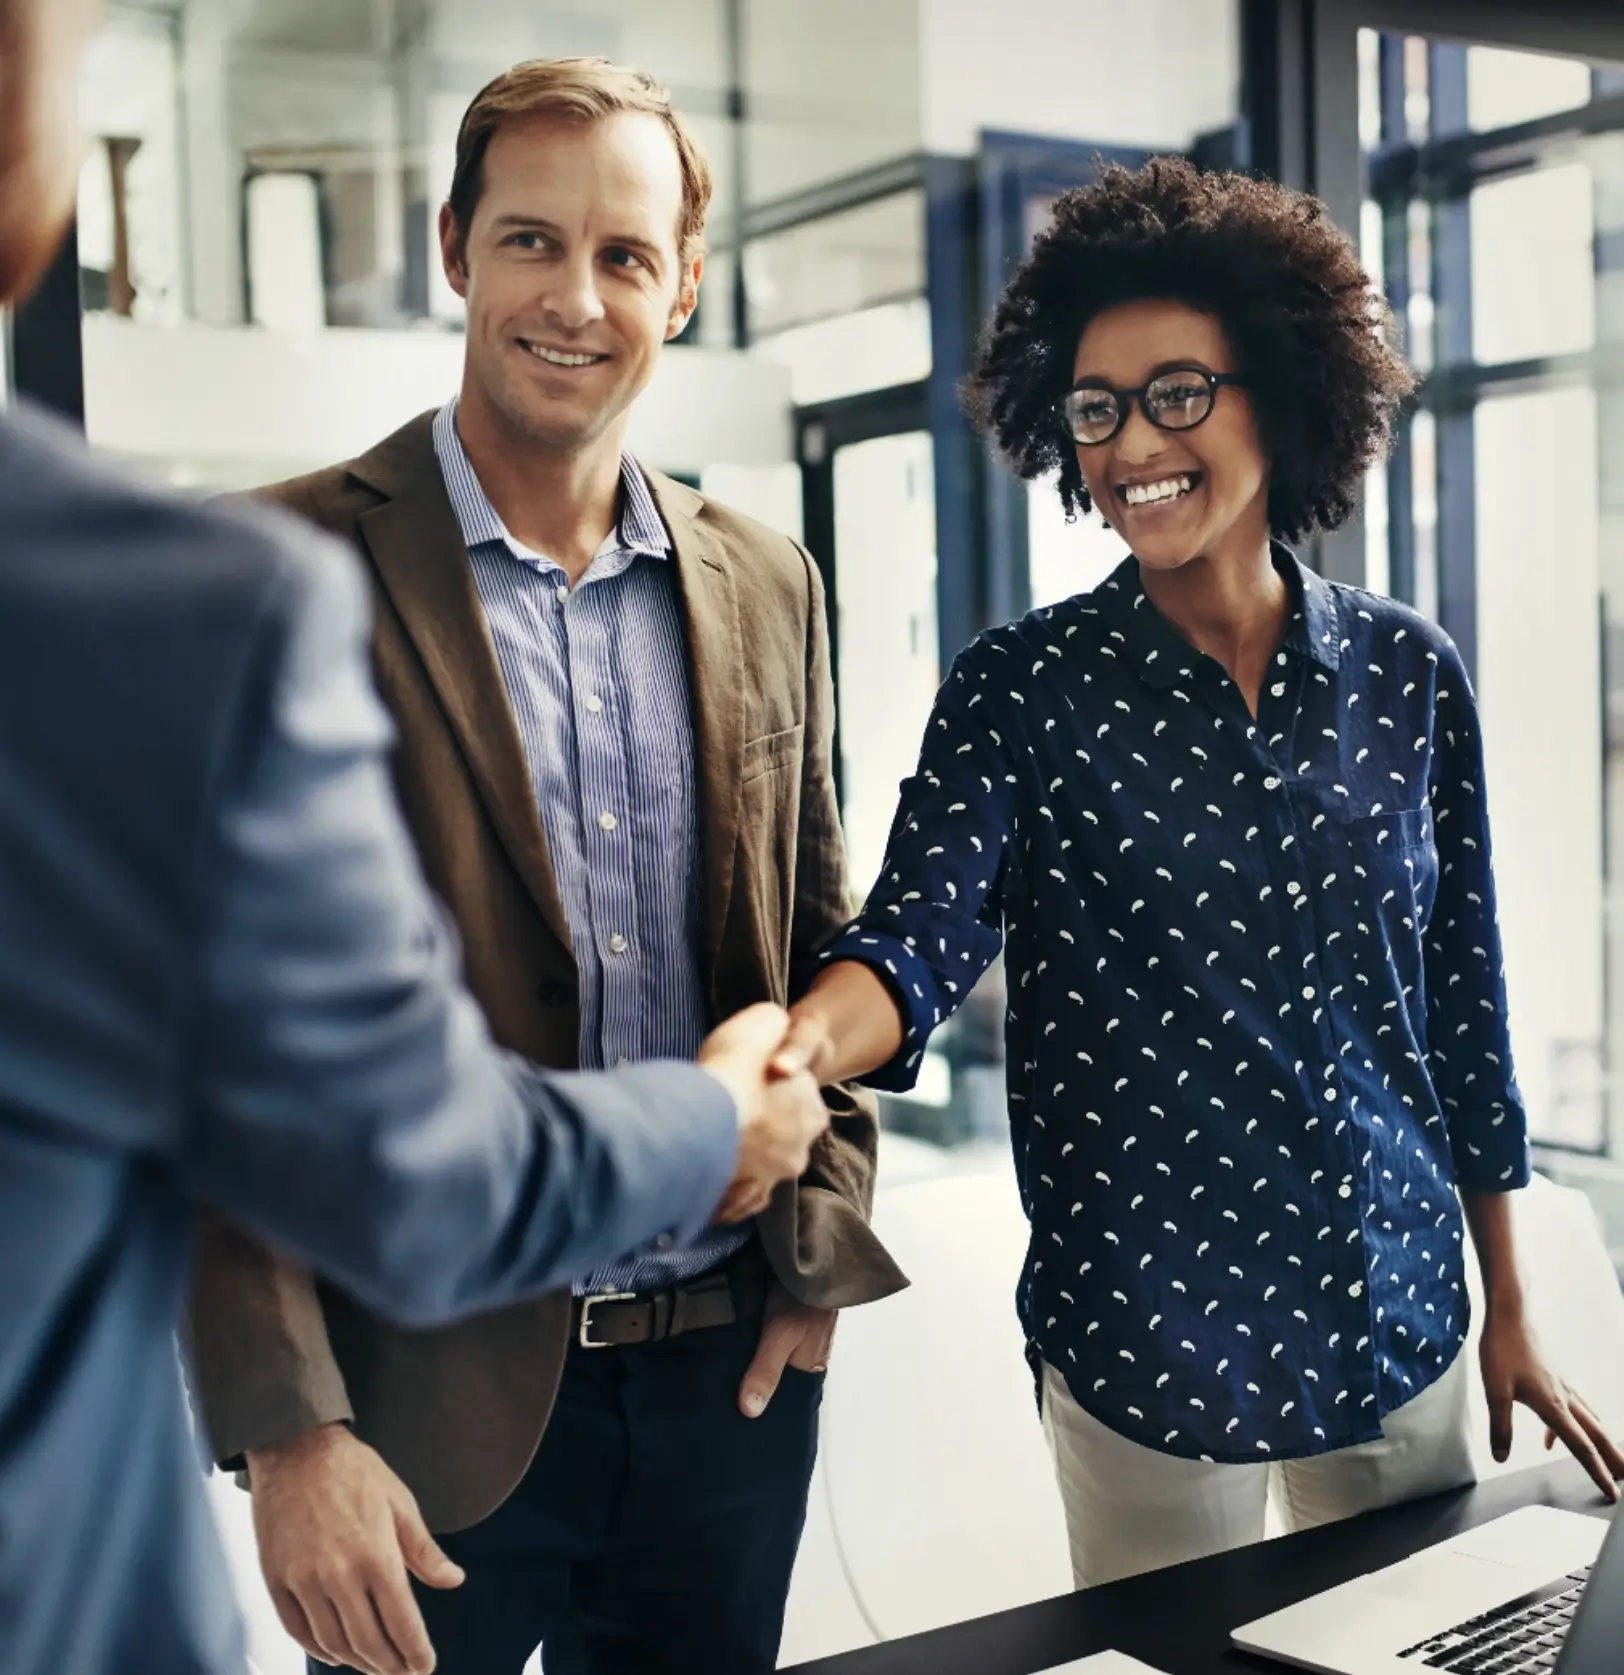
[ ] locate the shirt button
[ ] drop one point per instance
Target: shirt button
(664, 1242)
(1308, 994)
(607, 821)
(563, 595)
(618, 944)
(1356, 1289)
(1272, 783)
(1294, 888)
(1330, 1093)
(594, 703)
(1344, 1191)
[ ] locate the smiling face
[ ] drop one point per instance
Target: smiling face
(1173, 495)
(572, 273)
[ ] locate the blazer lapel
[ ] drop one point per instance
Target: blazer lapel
(716, 659)
(417, 547)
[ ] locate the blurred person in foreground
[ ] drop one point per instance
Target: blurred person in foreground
(614, 710)
(223, 982)
(1228, 821)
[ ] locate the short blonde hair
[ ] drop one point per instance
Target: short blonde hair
(580, 90)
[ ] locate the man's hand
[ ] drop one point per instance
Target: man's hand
(338, 1532)
(1515, 1370)
(781, 1115)
(792, 1336)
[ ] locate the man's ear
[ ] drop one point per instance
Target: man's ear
(682, 310)
(453, 252)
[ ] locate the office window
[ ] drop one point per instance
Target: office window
(1505, 88)
(1495, 221)
(885, 534)
(856, 262)
(831, 87)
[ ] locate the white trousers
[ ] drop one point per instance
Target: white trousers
(1130, 1509)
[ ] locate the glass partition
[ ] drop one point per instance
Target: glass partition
(1495, 219)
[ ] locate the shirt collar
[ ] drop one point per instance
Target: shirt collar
(1314, 629)
(1161, 655)
(640, 528)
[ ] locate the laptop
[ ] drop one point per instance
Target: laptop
(1538, 1592)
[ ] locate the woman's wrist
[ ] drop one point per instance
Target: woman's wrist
(1494, 1235)
(1504, 1303)
(809, 1031)
(846, 1024)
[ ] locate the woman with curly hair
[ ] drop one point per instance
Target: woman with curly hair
(1228, 822)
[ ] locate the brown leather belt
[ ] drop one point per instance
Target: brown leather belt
(616, 1319)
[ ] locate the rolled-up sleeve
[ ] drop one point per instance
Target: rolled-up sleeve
(1468, 1034)
(931, 924)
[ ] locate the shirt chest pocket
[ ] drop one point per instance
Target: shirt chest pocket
(1394, 857)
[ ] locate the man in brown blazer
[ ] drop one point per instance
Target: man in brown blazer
(614, 706)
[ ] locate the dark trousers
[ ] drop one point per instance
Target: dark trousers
(654, 1533)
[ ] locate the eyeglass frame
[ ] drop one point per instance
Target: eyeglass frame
(1127, 399)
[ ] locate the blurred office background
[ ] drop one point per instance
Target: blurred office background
(254, 290)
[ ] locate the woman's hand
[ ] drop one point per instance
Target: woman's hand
(845, 1025)
(1515, 1370)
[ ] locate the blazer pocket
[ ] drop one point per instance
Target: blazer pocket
(772, 751)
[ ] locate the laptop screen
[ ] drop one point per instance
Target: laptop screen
(1596, 1641)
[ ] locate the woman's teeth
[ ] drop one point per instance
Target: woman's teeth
(1146, 494)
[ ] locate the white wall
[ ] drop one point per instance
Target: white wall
(1066, 558)
(233, 407)
(869, 350)
(209, 188)
(1151, 72)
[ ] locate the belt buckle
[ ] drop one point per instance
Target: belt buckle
(588, 1304)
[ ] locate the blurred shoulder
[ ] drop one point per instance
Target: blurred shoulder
(79, 528)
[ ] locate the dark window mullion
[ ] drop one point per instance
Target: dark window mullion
(1452, 346)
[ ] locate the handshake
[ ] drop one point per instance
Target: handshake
(763, 1061)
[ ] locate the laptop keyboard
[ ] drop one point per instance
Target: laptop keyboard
(1522, 1638)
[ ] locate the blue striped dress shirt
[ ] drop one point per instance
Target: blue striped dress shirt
(598, 680)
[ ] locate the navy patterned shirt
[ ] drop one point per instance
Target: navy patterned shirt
(1257, 1023)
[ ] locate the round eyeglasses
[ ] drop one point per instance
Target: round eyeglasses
(1177, 399)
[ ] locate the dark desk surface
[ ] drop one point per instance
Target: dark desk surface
(1179, 1620)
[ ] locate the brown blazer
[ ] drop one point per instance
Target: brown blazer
(458, 1412)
